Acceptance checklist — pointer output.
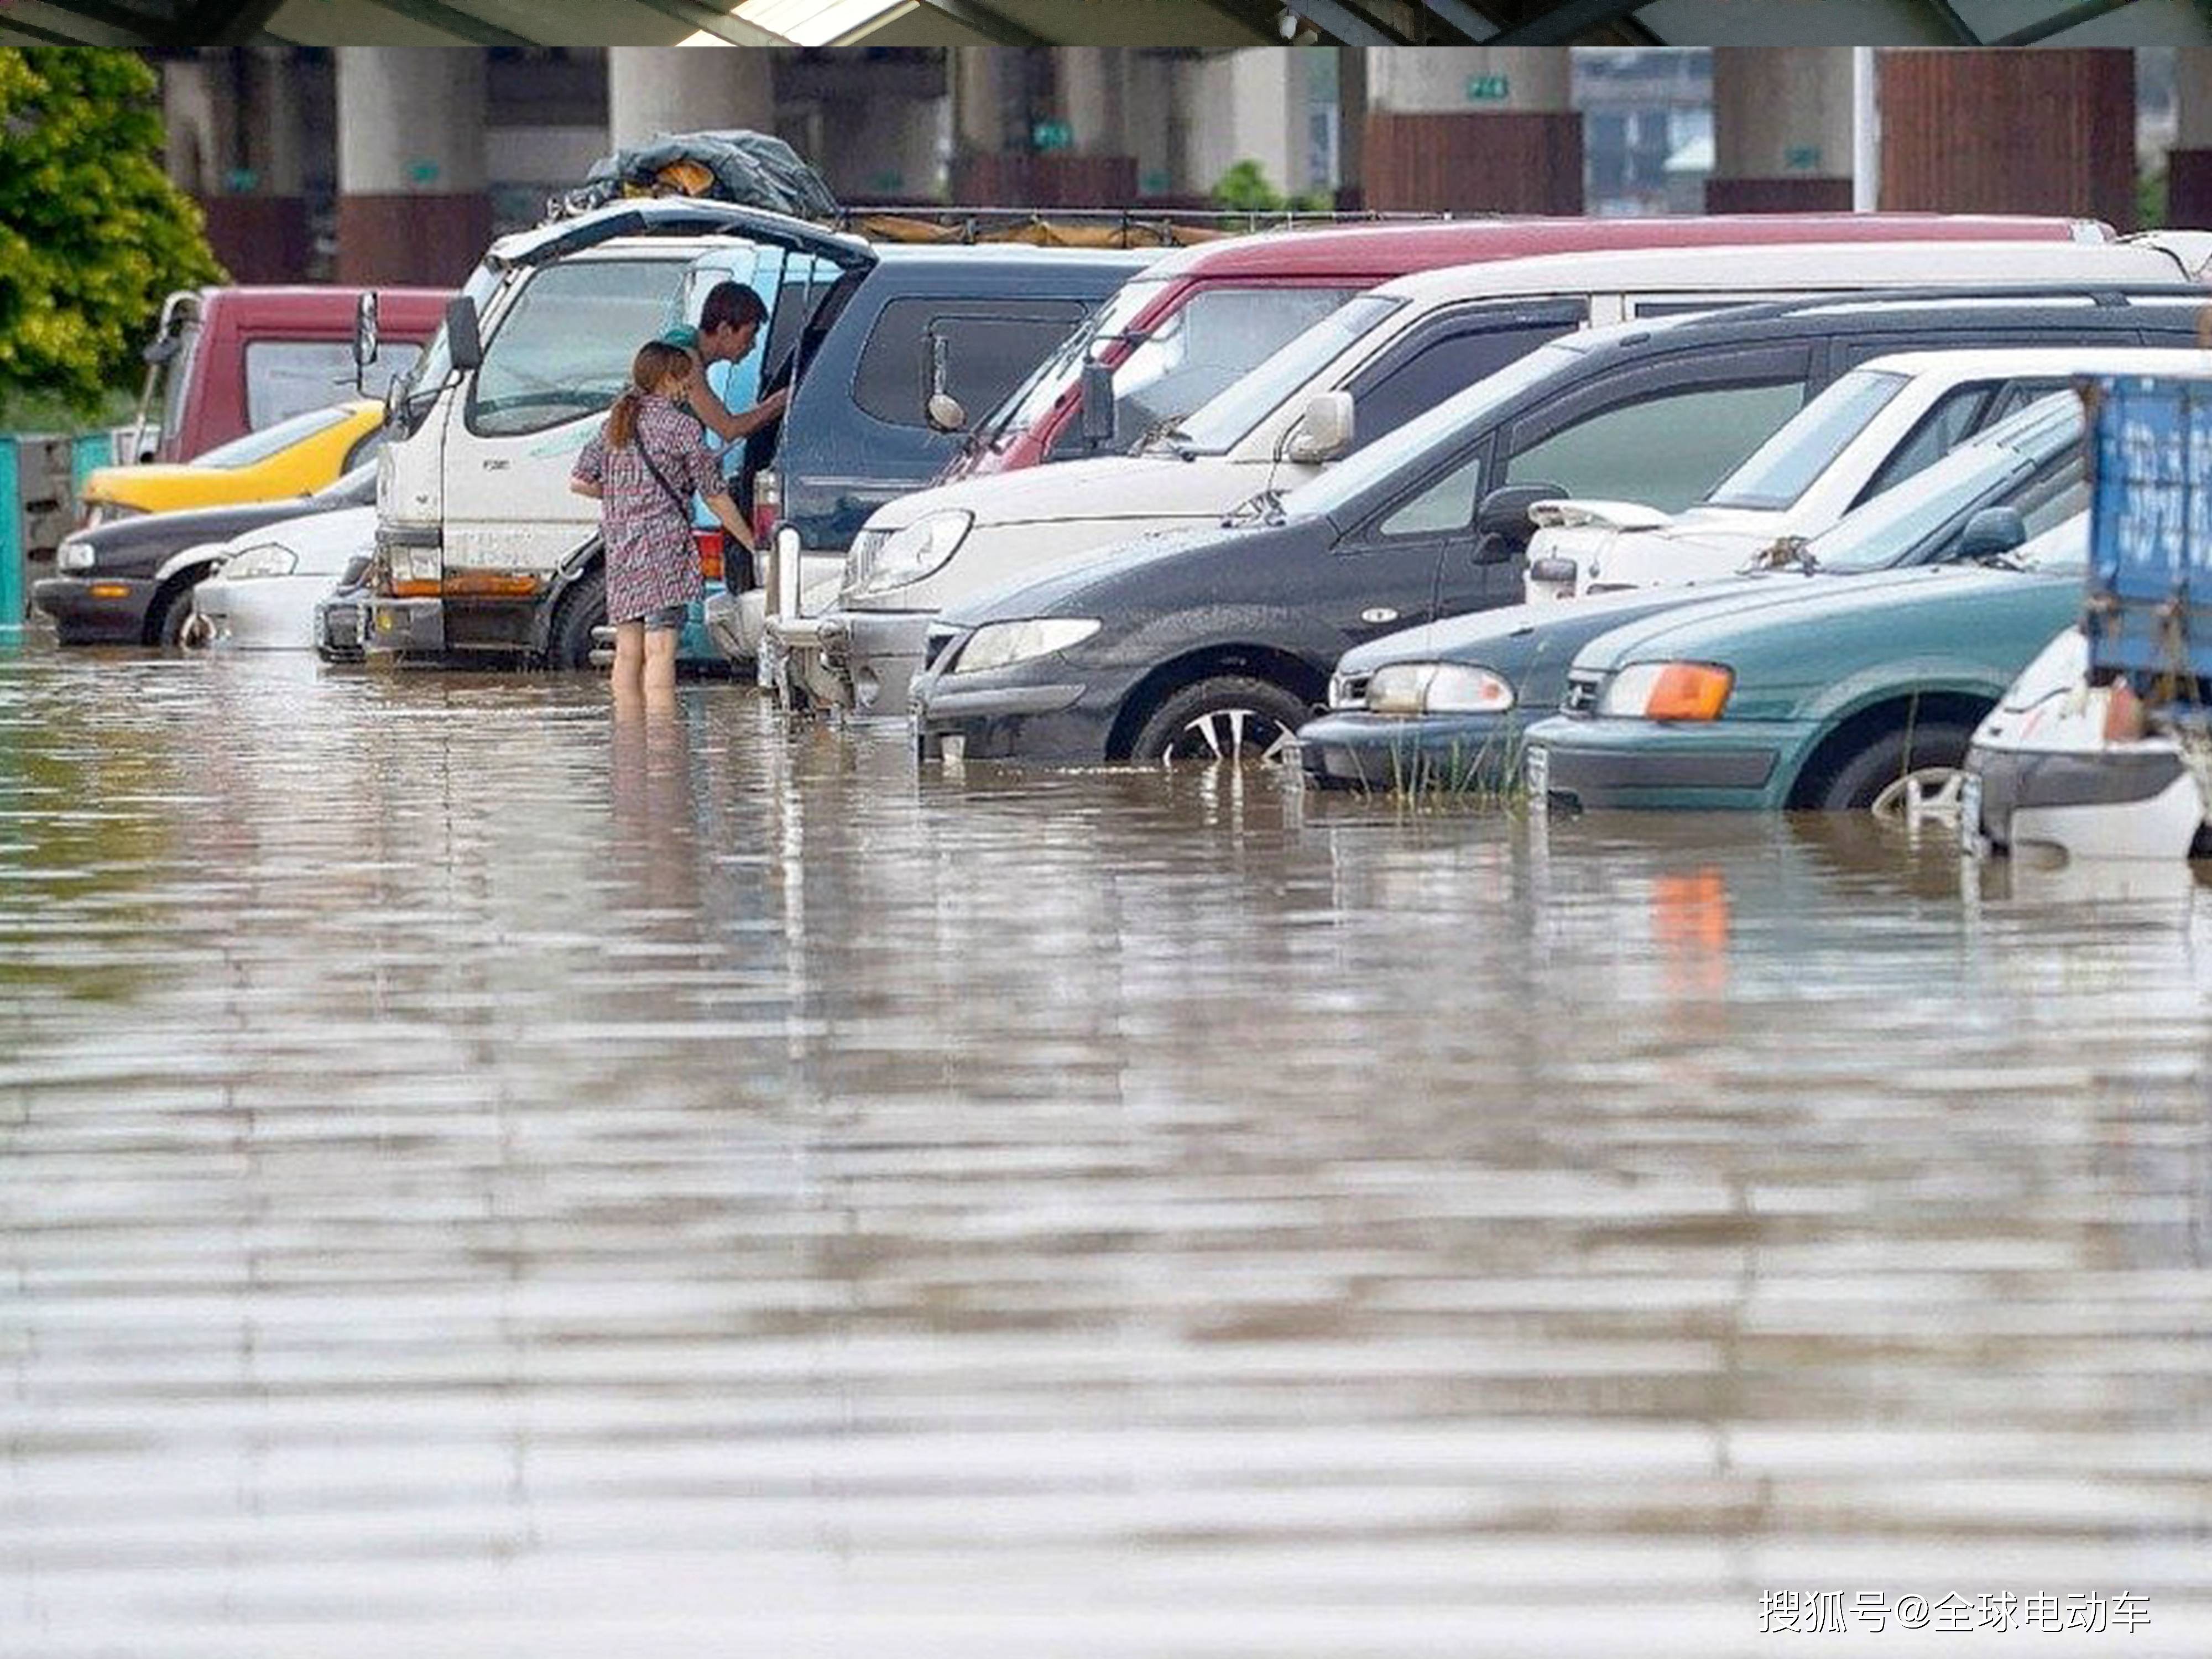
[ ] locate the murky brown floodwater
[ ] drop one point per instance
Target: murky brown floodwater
(476, 1184)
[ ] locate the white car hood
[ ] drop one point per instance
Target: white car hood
(1137, 487)
(321, 541)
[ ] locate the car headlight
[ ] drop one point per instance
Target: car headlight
(918, 550)
(73, 556)
(1001, 645)
(861, 557)
(1668, 691)
(264, 559)
(1437, 688)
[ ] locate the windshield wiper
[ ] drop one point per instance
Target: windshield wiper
(1266, 508)
(1168, 435)
(1787, 553)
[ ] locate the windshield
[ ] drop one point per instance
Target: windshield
(1404, 451)
(1058, 372)
(1783, 467)
(1207, 346)
(259, 446)
(1221, 423)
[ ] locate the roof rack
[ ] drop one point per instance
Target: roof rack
(2101, 293)
(1094, 227)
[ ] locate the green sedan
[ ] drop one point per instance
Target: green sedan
(1836, 696)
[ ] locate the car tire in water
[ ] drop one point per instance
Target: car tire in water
(583, 608)
(171, 609)
(1928, 746)
(1235, 719)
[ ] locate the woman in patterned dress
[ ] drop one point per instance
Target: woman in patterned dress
(643, 469)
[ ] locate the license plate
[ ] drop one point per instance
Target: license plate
(1970, 812)
(1537, 770)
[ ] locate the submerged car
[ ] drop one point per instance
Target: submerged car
(1443, 707)
(1850, 695)
(131, 582)
(263, 596)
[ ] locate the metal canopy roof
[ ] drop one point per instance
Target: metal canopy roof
(178, 23)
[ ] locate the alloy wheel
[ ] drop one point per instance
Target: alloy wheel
(1928, 794)
(1240, 737)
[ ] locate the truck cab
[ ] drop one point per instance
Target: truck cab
(481, 546)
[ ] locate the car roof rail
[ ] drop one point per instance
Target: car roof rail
(2103, 295)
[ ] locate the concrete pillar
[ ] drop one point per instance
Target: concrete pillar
(653, 90)
(1472, 128)
(1157, 111)
(237, 143)
(412, 206)
(884, 149)
(1782, 130)
(2189, 163)
(1351, 103)
(1956, 137)
(983, 83)
(1250, 106)
(1094, 98)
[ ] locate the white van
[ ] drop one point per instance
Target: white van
(1883, 422)
(1380, 359)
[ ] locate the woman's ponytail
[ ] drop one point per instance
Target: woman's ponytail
(655, 361)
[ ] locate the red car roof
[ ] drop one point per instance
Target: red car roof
(404, 311)
(1378, 252)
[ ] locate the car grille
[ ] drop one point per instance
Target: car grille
(1583, 692)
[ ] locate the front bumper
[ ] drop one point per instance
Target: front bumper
(339, 622)
(1349, 749)
(2133, 801)
(262, 613)
(1594, 763)
(114, 614)
(1009, 715)
(404, 626)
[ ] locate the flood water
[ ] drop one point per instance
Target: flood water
(476, 1182)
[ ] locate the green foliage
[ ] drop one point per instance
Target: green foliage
(1245, 188)
(2150, 200)
(93, 235)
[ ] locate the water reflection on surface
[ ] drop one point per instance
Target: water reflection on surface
(479, 1181)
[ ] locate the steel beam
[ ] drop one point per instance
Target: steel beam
(2059, 23)
(709, 19)
(222, 22)
(1458, 15)
(1349, 26)
(150, 29)
(1946, 16)
(458, 23)
(994, 27)
(1566, 22)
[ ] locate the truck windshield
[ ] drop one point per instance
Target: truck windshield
(1221, 421)
(564, 347)
(1783, 468)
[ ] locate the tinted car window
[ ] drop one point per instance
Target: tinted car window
(1949, 424)
(1393, 393)
(284, 377)
(988, 351)
(1664, 451)
(565, 348)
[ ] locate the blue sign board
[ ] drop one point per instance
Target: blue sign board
(2150, 526)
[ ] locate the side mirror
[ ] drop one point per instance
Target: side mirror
(1323, 432)
(463, 345)
(1096, 397)
(364, 332)
(945, 412)
(1991, 532)
(1502, 526)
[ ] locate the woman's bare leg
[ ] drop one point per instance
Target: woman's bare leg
(660, 668)
(630, 667)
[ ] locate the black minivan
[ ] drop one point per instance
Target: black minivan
(1218, 642)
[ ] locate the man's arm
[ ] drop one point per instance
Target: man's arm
(721, 422)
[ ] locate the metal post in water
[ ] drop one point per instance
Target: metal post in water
(11, 543)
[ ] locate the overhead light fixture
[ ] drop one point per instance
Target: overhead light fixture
(1295, 30)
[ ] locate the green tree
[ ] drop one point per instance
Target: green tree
(1246, 188)
(93, 235)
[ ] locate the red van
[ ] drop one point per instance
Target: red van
(229, 361)
(1200, 318)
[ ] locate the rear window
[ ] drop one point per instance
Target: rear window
(284, 377)
(987, 349)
